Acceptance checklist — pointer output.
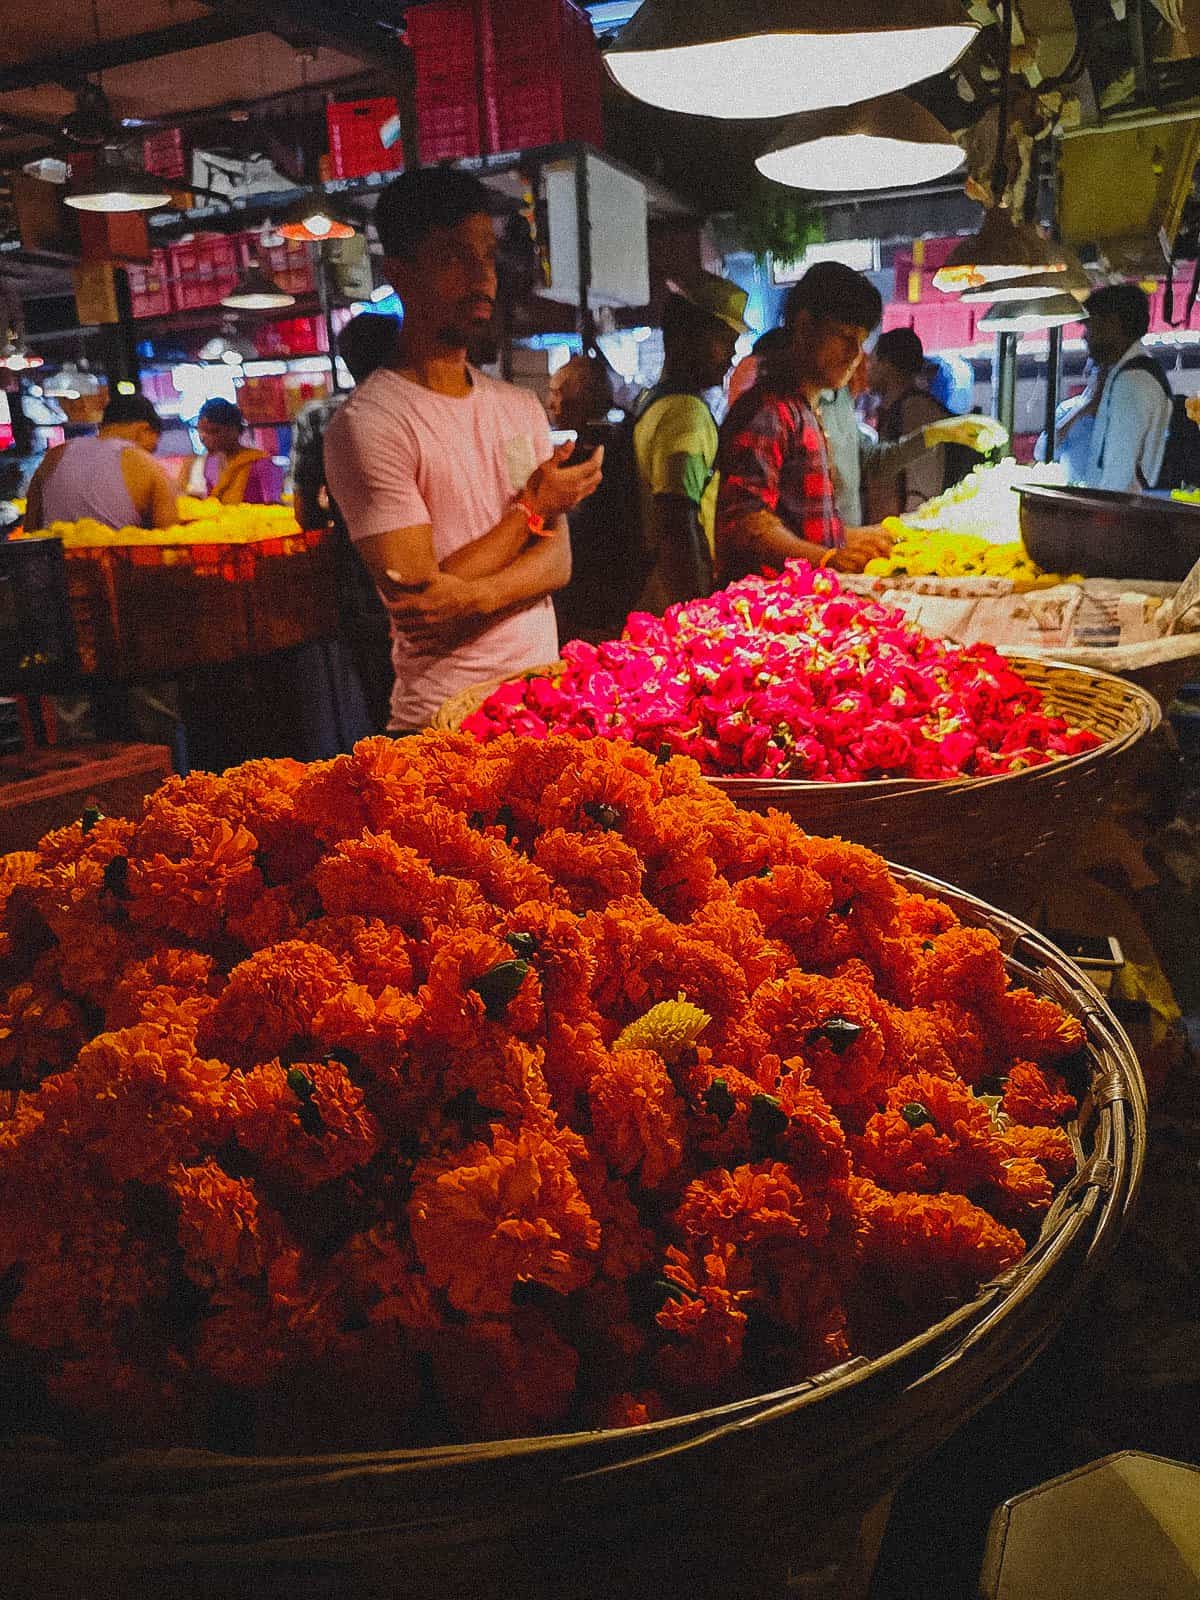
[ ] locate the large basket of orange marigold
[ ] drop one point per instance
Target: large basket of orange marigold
(470, 1171)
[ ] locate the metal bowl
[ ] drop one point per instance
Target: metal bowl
(1103, 534)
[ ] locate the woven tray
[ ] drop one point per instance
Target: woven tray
(973, 831)
(735, 1501)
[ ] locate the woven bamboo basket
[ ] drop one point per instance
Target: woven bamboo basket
(973, 831)
(751, 1501)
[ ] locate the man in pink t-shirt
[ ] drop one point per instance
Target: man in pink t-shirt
(446, 478)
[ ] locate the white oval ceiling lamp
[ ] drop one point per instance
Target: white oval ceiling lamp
(889, 142)
(1031, 316)
(771, 58)
(113, 188)
(313, 219)
(254, 291)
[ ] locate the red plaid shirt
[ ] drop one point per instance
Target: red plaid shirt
(774, 457)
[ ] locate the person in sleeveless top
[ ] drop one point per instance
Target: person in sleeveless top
(110, 477)
(1129, 438)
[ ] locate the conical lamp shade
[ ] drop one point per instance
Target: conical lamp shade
(1072, 280)
(315, 219)
(1002, 249)
(769, 58)
(883, 143)
(254, 291)
(1028, 316)
(114, 189)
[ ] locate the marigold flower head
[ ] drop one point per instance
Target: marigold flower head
(669, 1029)
(1037, 1096)
(505, 1213)
(306, 1124)
(637, 1117)
(270, 1004)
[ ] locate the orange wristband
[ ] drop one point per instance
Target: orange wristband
(535, 521)
(827, 557)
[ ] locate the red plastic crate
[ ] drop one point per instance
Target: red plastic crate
(355, 147)
(163, 154)
(204, 268)
(150, 286)
(445, 44)
(292, 336)
(541, 74)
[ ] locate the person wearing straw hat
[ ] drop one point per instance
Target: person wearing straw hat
(675, 438)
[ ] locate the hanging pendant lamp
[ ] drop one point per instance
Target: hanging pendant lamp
(769, 58)
(1030, 316)
(1069, 280)
(313, 219)
(113, 188)
(1001, 250)
(254, 291)
(880, 144)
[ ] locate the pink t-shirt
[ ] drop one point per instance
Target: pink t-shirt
(399, 456)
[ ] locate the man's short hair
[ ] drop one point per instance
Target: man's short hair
(124, 409)
(903, 350)
(367, 342)
(416, 204)
(837, 293)
(1126, 304)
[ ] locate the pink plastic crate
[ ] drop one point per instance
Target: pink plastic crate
(204, 268)
(445, 44)
(292, 336)
(289, 263)
(355, 146)
(541, 74)
(150, 286)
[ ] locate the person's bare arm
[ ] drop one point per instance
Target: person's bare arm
(684, 563)
(33, 495)
(149, 488)
(758, 539)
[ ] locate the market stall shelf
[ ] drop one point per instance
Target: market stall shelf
(978, 832)
(743, 1500)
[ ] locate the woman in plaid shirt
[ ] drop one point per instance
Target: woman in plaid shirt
(776, 500)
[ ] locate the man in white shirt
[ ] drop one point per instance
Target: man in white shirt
(446, 478)
(1134, 415)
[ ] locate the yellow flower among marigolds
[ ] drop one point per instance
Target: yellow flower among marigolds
(919, 554)
(200, 522)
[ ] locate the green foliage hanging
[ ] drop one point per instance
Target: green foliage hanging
(772, 220)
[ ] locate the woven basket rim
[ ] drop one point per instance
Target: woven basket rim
(1145, 716)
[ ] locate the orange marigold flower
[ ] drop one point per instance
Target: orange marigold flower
(833, 1027)
(814, 1142)
(253, 1335)
(378, 956)
(80, 1285)
(633, 1410)
(306, 1124)
(627, 1246)
(192, 893)
(383, 1273)
(140, 1100)
(339, 799)
(40, 1031)
(1037, 1096)
(1035, 1029)
(378, 1030)
(226, 1231)
(19, 866)
(269, 1005)
(933, 1135)
(502, 1214)
(463, 1004)
(966, 965)
(637, 1118)
(788, 900)
(738, 932)
(706, 1323)
(942, 1238)
(167, 973)
(1022, 1190)
(752, 1205)
(277, 914)
(373, 876)
(1051, 1148)
(593, 868)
